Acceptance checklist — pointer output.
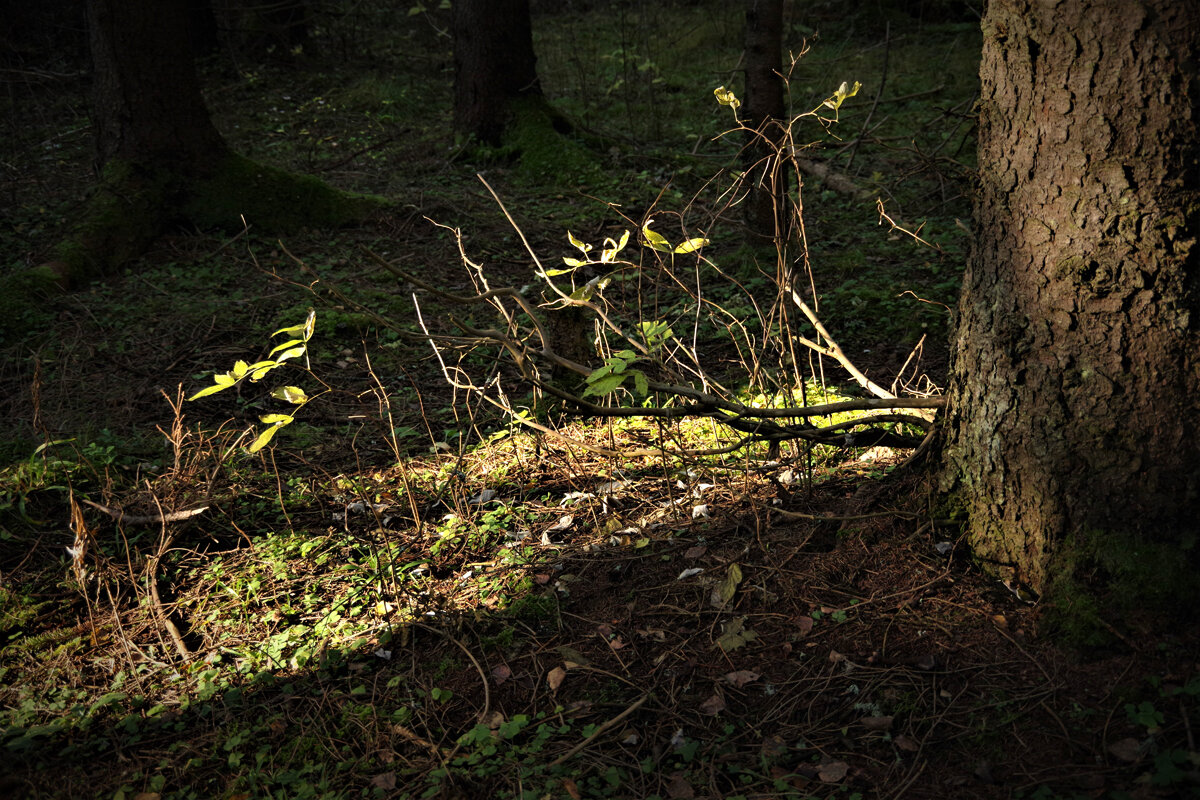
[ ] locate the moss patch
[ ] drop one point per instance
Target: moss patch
(1107, 580)
(546, 147)
(271, 199)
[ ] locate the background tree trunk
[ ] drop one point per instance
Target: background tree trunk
(1074, 433)
(763, 107)
(147, 105)
(494, 63)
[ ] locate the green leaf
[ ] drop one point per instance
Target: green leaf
(600, 372)
(692, 245)
(655, 241)
(603, 386)
(290, 394)
(640, 387)
(734, 634)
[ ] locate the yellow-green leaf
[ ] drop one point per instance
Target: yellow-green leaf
(293, 353)
(260, 368)
(692, 245)
(843, 92)
(570, 262)
(655, 241)
(726, 98)
(723, 592)
(582, 246)
(290, 394)
(613, 248)
(276, 419)
(304, 329)
(262, 439)
(240, 368)
(285, 345)
(205, 392)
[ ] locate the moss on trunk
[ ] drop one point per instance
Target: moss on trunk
(132, 206)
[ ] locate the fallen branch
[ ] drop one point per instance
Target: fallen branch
(146, 519)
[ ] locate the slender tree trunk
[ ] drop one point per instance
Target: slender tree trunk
(1074, 435)
(494, 63)
(764, 107)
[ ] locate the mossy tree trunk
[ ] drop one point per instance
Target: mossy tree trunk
(160, 159)
(494, 64)
(1074, 435)
(763, 111)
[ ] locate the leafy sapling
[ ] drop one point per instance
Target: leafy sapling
(293, 347)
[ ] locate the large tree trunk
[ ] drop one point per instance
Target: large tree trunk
(1074, 436)
(147, 106)
(763, 112)
(494, 64)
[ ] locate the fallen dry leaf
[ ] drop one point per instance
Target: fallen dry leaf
(571, 788)
(876, 723)
(713, 705)
(695, 552)
(1128, 750)
(501, 673)
(741, 677)
(385, 781)
(833, 772)
(907, 744)
(555, 678)
(679, 788)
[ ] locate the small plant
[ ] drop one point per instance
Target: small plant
(292, 348)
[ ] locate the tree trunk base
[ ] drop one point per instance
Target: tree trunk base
(132, 207)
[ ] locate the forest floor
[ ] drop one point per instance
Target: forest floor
(410, 594)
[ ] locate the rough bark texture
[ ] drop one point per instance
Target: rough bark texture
(148, 108)
(1074, 437)
(763, 108)
(494, 63)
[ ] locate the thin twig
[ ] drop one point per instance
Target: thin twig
(600, 730)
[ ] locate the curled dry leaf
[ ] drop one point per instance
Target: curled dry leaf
(501, 673)
(555, 678)
(804, 625)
